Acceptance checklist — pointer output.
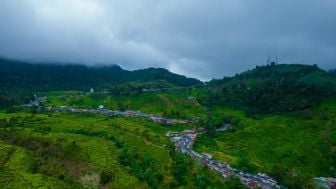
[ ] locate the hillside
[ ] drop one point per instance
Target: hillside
(291, 148)
(333, 72)
(18, 79)
(80, 150)
(273, 89)
(279, 145)
(42, 77)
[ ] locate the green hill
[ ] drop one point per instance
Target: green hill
(18, 79)
(63, 150)
(73, 151)
(273, 89)
(15, 74)
(291, 148)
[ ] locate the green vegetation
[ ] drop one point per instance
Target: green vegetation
(173, 104)
(138, 87)
(19, 79)
(292, 148)
(282, 120)
(69, 151)
(274, 89)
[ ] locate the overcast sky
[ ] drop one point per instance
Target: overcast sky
(198, 38)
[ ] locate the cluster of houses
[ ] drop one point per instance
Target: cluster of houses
(184, 141)
(130, 114)
(38, 101)
(164, 89)
(151, 90)
(325, 182)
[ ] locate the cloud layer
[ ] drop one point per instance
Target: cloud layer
(199, 38)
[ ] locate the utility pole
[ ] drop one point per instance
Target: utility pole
(268, 59)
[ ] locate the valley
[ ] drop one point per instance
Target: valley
(178, 137)
(139, 94)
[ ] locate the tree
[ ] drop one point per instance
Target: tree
(13, 121)
(234, 183)
(111, 103)
(201, 179)
(106, 176)
(181, 166)
(3, 123)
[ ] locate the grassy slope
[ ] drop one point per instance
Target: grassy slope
(301, 144)
(162, 103)
(67, 150)
(298, 142)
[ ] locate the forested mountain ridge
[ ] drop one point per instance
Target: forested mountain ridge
(116, 149)
(19, 79)
(273, 88)
(41, 77)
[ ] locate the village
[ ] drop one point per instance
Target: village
(39, 101)
(128, 114)
(325, 182)
(184, 142)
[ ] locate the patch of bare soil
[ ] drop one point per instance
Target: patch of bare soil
(90, 180)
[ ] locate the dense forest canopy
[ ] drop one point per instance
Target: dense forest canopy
(41, 77)
(273, 88)
(19, 79)
(265, 89)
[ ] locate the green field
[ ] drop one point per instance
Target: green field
(62, 150)
(173, 104)
(75, 151)
(290, 147)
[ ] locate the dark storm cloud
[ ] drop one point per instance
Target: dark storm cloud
(200, 38)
